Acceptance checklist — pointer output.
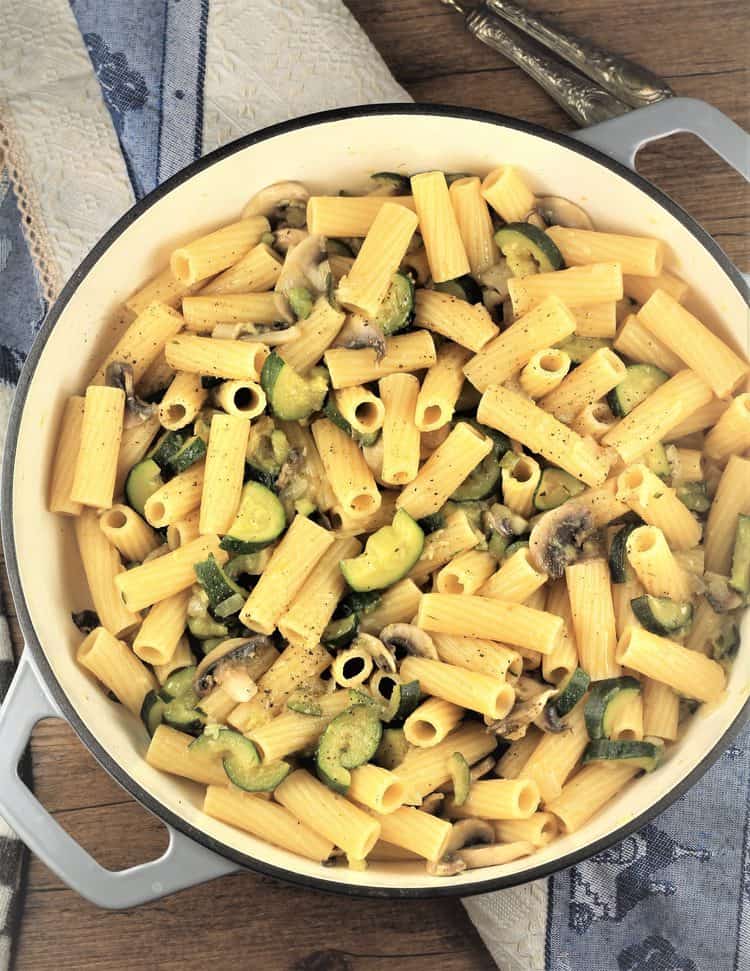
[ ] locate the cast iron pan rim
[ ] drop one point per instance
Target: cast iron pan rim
(6, 504)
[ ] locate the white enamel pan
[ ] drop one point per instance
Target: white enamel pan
(327, 151)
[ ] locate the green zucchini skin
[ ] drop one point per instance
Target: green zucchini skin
(619, 567)
(392, 749)
(726, 644)
(580, 349)
(463, 287)
(656, 460)
(571, 692)
(640, 381)
(528, 249)
(604, 695)
(340, 633)
(461, 778)
(291, 396)
(192, 451)
(431, 523)
(389, 554)
(240, 760)
(143, 480)
(332, 413)
(166, 447)
(350, 740)
(646, 755)
(177, 683)
(694, 496)
(403, 701)
(259, 521)
(397, 310)
(660, 615)
(215, 582)
(555, 487)
(740, 578)
(152, 711)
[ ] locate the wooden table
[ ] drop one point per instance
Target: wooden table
(254, 922)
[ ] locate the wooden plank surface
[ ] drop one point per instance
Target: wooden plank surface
(255, 922)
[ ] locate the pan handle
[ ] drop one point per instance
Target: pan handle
(184, 864)
(622, 138)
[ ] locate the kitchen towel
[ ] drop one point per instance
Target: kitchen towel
(100, 102)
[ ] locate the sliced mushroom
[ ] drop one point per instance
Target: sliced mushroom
(496, 277)
(469, 832)
(495, 854)
(305, 267)
(449, 866)
(284, 239)
(556, 211)
(120, 375)
(280, 332)
(275, 200)
(381, 654)
(360, 332)
(86, 620)
(409, 639)
(557, 538)
(500, 519)
(720, 596)
(524, 713)
(226, 666)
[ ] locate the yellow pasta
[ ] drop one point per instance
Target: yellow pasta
(314, 604)
(588, 792)
(442, 545)
(516, 579)
(580, 286)
(636, 254)
(651, 421)
(603, 503)
(657, 504)
(474, 616)
(499, 799)
(562, 659)
(640, 288)
(556, 755)
(204, 313)
(441, 387)
(655, 566)
(596, 320)
(511, 763)
(414, 830)
(540, 432)
(101, 431)
(364, 411)
(169, 751)
(300, 438)
(266, 820)
(258, 270)
(292, 561)
(329, 814)
(215, 252)
(177, 499)
(167, 575)
(217, 358)
(182, 657)
(505, 190)
(474, 223)
(661, 710)
(425, 769)
(688, 672)
(431, 722)
(466, 572)
(218, 705)
(467, 689)
(732, 431)
(66, 457)
(114, 664)
(316, 335)
(601, 372)
(594, 421)
(376, 789)
(519, 482)
(592, 611)
(732, 500)
(400, 434)
(183, 400)
(398, 604)
(184, 530)
(364, 287)
(686, 465)
(134, 444)
(242, 399)
(469, 325)
(439, 227)
(291, 732)
(128, 533)
(546, 325)
(478, 654)
(622, 595)
(143, 341)
(347, 472)
(539, 829)
(160, 632)
(444, 471)
(544, 371)
(101, 564)
(224, 471)
(698, 347)
(635, 341)
(409, 352)
(163, 288)
(352, 666)
(348, 215)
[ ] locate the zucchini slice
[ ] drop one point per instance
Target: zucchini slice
(481, 482)
(404, 699)
(572, 689)
(143, 480)
(656, 459)
(192, 451)
(301, 301)
(661, 615)
(167, 446)
(605, 700)
(331, 411)
(389, 554)
(580, 349)
(463, 287)
(428, 524)
(726, 642)
(646, 755)
(515, 547)
(528, 249)
(205, 628)
(350, 740)
(461, 778)
(639, 382)
(292, 396)
(259, 521)
(740, 578)
(240, 760)
(362, 603)
(178, 683)
(397, 309)
(215, 582)
(303, 703)
(555, 487)
(181, 710)
(619, 568)
(392, 748)
(152, 711)
(232, 605)
(340, 633)
(694, 496)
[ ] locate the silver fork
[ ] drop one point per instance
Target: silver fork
(604, 85)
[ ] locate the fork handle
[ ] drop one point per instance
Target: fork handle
(584, 101)
(626, 80)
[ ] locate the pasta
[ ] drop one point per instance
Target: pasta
(339, 568)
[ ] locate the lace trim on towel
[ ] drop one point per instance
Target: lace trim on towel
(33, 225)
